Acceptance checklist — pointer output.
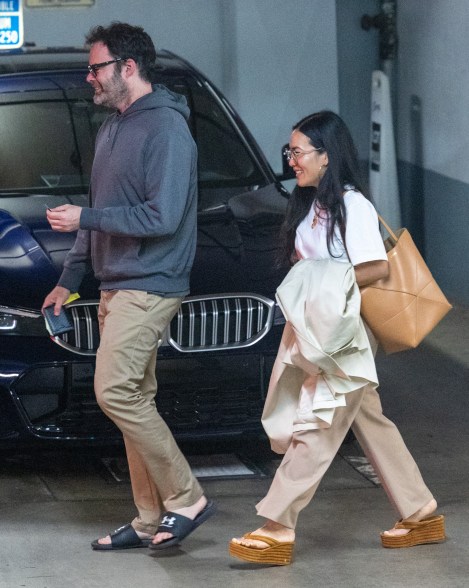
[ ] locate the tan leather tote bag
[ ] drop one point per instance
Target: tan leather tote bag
(403, 308)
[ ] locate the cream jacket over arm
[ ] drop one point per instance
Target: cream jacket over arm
(324, 353)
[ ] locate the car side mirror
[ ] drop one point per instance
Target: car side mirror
(287, 171)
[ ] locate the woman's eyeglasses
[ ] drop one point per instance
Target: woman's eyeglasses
(295, 154)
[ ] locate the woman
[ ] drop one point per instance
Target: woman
(330, 217)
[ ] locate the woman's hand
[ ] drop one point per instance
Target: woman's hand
(370, 271)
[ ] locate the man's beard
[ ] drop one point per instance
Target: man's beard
(113, 93)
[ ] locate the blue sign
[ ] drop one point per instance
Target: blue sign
(11, 24)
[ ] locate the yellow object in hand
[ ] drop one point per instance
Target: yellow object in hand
(72, 298)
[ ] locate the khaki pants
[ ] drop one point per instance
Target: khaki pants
(311, 453)
(131, 322)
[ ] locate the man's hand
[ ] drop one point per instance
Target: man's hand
(57, 297)
(65, 218)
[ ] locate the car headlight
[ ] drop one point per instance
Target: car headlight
(21, 321)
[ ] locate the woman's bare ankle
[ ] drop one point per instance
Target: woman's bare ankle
(274, 526)
(423, 512)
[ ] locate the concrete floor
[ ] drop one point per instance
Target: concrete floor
(52, 506)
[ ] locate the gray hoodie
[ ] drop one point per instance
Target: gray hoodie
(141, 230)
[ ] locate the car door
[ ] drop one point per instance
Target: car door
(241, 206)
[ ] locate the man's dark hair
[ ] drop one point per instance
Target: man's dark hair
(129, 42)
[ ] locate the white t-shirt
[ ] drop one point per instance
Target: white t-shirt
(364, 241)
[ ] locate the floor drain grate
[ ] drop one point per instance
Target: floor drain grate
(226, 465)
(218, 466)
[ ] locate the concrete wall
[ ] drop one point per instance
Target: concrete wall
(434, 69)
(275, 61)
(431, 76)
(358, 56)
(188, 27)
(284, 60)
(433, 133)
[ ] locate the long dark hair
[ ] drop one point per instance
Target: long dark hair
(328, 132)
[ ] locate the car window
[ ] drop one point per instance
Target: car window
(47, 142)
(226, 165)
(48, 135)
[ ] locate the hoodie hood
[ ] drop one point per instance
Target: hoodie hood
(161, 97)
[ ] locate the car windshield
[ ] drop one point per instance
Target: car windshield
(48, 135)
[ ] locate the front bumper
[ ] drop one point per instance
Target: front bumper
(218, 391)
(213, 395)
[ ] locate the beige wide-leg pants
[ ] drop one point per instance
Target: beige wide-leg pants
(131, 322)
(311, 453)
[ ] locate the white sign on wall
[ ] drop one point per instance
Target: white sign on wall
(383, 168)
(57, 3)
(11, 24)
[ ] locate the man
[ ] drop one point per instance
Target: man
(140, 237)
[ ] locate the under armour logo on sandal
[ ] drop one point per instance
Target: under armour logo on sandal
(167, 521)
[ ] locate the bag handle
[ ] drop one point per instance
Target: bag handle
(388, 229)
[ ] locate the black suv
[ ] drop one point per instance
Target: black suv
(215, 361)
